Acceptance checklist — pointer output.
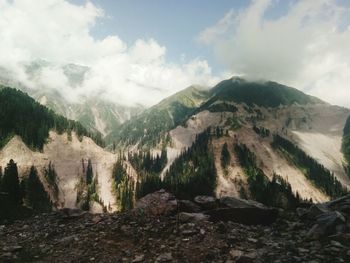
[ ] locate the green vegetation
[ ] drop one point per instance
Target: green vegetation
(346, 146)
(265, 94)
(51, 178)
(124, 186)
(221, 107)
(19, 199)
(315, 172)
(150, 127)
(87, 188)
(148, 168)
(277, 192)
(36, 197)
(263, 132)
(225, 156)
(193, 172)
(21, 115)
(233, 123)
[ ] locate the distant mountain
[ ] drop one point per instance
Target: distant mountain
(149, 126)
(264, 93)
(23, 116)
(94, 113)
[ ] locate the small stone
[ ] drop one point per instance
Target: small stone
(235, 253)
(164, 257)
(336, 244)
(11, 248)
(252, 240)
(303, 250)
(138, 258)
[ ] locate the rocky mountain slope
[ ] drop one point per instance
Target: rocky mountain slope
(67, 156)
(235, 113)
(206, 230)
(243, 109)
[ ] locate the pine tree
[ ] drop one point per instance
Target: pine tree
(225, 156)
(36, 196)
(10, 183)
(0, 177)
(89, 173)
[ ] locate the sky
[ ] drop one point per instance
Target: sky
(139, 52)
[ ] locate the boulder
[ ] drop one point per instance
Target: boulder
(232, 202)
(341, 204)
(326, 224)
(247, 216)
(157, 204)
(243, 211)
(188, 206)
(316, 210)
(206, 202)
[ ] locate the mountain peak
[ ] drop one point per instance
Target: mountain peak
(260, 93)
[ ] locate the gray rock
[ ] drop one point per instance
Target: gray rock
(247, 216)
(232, 202)
(326, 225)
(166, 257)
(316, 210)
(156, 204)
(188, 206)
(206, 202)
(236, 253)
(138, 258)
(192, 217)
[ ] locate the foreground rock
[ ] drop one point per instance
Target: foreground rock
(157, 204)
(331, 218)
(129, 237)
(243, 211)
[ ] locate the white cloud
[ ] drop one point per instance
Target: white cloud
(308, 47)
(58, 32)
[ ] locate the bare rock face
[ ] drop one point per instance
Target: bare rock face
(157, 204)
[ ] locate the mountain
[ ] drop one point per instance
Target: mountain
(93, 112)
(248, 114)
(254, 140)
(263, 94)
(69, 160)
(149, 126)
(23, 116)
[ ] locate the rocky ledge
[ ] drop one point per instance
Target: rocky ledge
(163, 229)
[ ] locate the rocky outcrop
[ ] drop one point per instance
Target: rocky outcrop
(331, 218)
(160, 203)
(243, 211)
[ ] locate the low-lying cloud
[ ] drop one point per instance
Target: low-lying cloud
(307, 47)
(51, 34)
